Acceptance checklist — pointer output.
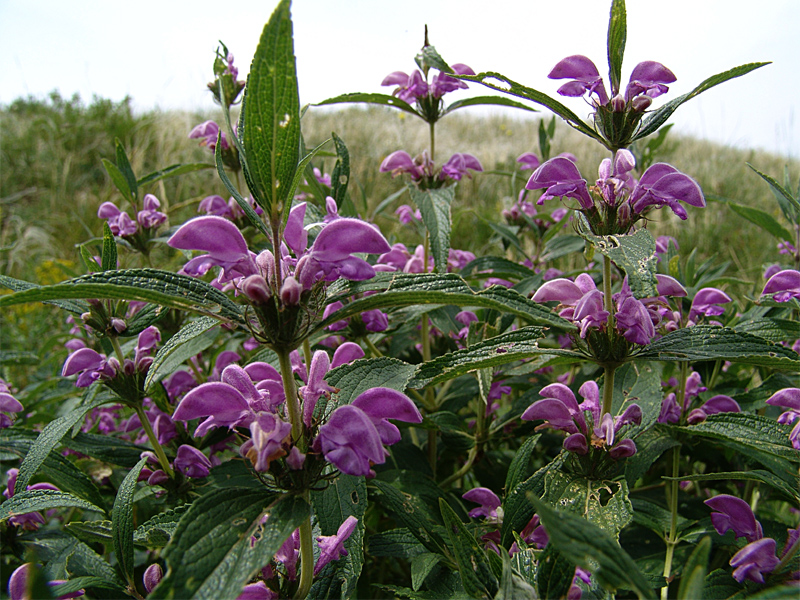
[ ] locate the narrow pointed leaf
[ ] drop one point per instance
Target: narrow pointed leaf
(762, 219)
(706, 342)
(432, 58)
(789, 492)
(147, 285)
(380, 99)
(109, 249)
(118, 179)
(298, 177)
(588, 546)
(788, 203)
(617, 35)
(271, 114)
(248, 210)
(486, 101)
(341, 171)
(75, 307)
(500, 83)
(122, 521)
(693, 579)
(173, 171)
(188, 342)
(435, 208)
(657, 118)
(50, 436)
(35, 500)
(124, 166)
(425, 289)
(473, 566)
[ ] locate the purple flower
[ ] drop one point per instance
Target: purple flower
(789, 398)
(634, 321)
(648, 78)
(584, 78)
(8, 404)
(663, 185)
(406, 214)
(717, 404)
(755, 559)
(19, 582)
(257, 591)
(400, 161)
(458, 165)
(27, 521)
(224, 243)
(152, 577)
(528, 161)
(353, 437)
(488, 500)
(207, 133)
(732, 513)
(150, 217)
(443, 83)
(331, 547)
(562, 179)
(118, 221)
(192, 462)
(784, 285)
(410, 87)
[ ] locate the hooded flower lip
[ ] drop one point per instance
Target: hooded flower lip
(732, 513)
(562, 179)
(789, 398)
(648, 78)
(488, 500)
(663, 185)
(755, 559)
(224, 243)
(331, 547)
(584, 75)
(784, 285)
(333, 250)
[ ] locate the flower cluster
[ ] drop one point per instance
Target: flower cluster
(758, 556)
(423, 171)
(137, 232)
(617, 200)
(560, 411)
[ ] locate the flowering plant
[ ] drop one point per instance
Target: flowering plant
(283, 401)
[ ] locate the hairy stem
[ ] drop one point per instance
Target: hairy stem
(672, 491)
(608, 387)
(290, 390)
(608, 301)
(148, 429)
(306, 556)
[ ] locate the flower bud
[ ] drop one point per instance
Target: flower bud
(255, 287)
(119, 325)
(152, 577)
(641, 103)
(290, 291)
(618, 104)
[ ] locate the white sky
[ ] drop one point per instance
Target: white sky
(160, 52)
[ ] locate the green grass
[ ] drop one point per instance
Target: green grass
(52, 180)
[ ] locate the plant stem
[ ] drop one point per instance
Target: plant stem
(608, 387)
(608, 301)
(672, 490)
(148, 429)
(432, 128)
(290, 391)
(473, 452)
(306, 556)
(117, 349)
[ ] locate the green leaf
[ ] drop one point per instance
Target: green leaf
(635, 254)
(122, 522)
(762, 219)
(91, 531)
(517, 506)
(88, 582)
(500, 83)
(426, 289)
(18, 358)
(399, 543)
(617, 34)
(638, 383)
(35, 500)
(158, 530)
(519, 470)
(47, 440)
(173, 171)
(346, 496)
(707, 342)
(411, 512)
(124, 166)
(694, 571)
(473, 566)
(341, 171)
(603, 503)
(17, 285)
(512, 586)
(211, 554)
(657, 118)
(380, 99)
(247, 209)
(774, 330)
(788, 203)
(789, 492)
(509, 347)
(747, 431)
(554, 575)
(434, 205)
(193, 338)
(109, 249)
(499, 267)
(271, 115)
(563, 245)
(486, 101)
(298, 177)
(119, 180)
(421, 567)
(352, 379)
(650, 445)
(591, 548)
(107, 449)
(146, 285)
